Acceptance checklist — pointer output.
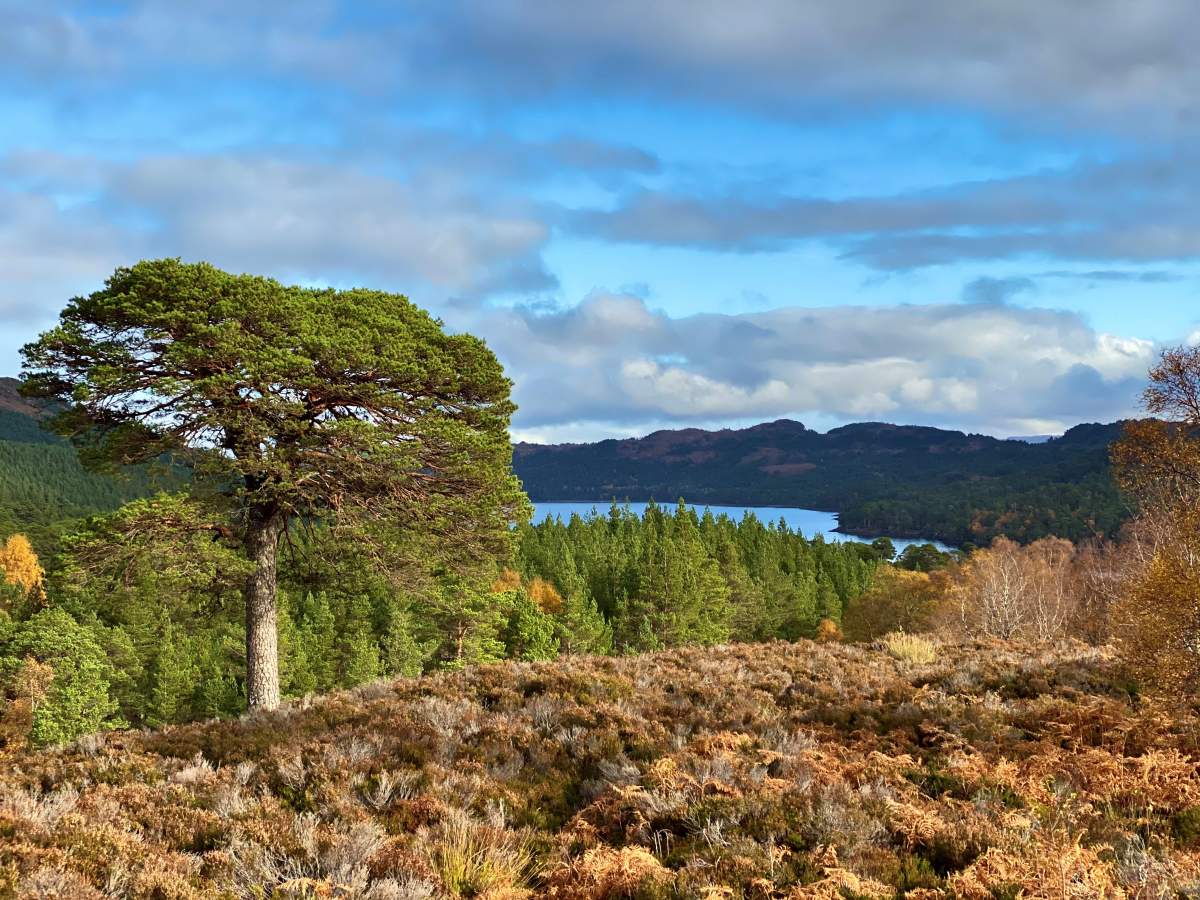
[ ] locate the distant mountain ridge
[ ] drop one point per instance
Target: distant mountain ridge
(902, 480)
(899, 480)
(20, 418)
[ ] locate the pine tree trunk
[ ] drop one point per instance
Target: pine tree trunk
(262, 639)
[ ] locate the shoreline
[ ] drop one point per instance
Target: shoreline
(863, 534)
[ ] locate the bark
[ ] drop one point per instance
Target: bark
(262, 639)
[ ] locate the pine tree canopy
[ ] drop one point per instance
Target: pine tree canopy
(292, 404)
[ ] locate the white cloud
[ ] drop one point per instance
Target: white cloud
(678, 392)
(979, 367)
(66, 222)
(321, 220)
(45, 253)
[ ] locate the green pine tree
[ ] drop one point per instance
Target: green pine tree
(580, 627)
(218, 692)
(129, 676)
(529, 633)
(79, 700)
(829, 604)
(316, 636)
(172, 677)
(359, 659)
(464, 617)
(401, 653)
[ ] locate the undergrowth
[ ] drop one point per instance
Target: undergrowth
(759, 771)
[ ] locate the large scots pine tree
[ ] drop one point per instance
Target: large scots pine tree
(295, 406)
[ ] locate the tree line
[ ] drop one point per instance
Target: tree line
(677, 577)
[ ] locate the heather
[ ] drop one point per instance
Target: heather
(774, 770)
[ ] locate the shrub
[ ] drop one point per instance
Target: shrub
(828, 631)
(898, 600)
(1156, 623)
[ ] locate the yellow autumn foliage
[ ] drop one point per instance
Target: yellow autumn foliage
(828, 631)
(1157, 622)
(20, 566)
(507, 580)
(545, 595)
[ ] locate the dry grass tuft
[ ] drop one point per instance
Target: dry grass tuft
(606, 873)
(474, 860)
(910, 648)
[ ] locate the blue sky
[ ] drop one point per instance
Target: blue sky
(659, 214)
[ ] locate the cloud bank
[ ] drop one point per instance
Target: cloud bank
(1127, 65)
(611, 361)
(475, 155)
(1135, 210)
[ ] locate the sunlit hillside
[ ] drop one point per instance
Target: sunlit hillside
(779, 770)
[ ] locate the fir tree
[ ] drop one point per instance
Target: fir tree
(358, 649)
(217, 691)
(529, 633)
(316, 636)
(580, 626)
(829, 604)
(173, 677)
(129, 678)
(401, 653)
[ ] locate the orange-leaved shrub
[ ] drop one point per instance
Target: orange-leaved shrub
(1157, 461)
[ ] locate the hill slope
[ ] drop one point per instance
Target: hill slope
(781, 770)
(903, 481)
(43, 487)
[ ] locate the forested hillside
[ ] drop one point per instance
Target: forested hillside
(882, 479)
(43, 486)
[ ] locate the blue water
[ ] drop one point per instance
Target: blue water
(809, 522)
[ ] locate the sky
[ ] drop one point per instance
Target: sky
(663, 213)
